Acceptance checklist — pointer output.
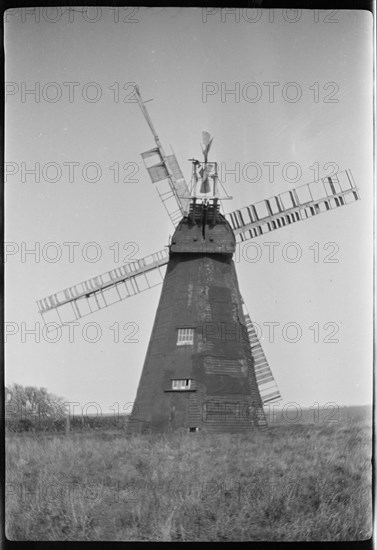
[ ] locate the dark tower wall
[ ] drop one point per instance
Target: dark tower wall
(200, 292)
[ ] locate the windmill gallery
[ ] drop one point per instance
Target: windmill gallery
(205, 368)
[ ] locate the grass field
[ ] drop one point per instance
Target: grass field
(306, 481)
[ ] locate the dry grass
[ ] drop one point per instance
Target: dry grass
(297, 482)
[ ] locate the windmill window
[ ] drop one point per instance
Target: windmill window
(184, 384)
(185, 337)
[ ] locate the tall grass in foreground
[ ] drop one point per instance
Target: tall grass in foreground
(296, 482)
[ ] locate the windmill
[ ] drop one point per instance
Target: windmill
(205, 368)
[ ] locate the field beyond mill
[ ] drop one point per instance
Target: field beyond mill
(307, 481)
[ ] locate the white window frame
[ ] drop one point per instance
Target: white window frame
(185, 336)
(181, 384)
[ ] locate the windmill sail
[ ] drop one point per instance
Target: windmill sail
(267, 385)
(172, 187)
(80, 300)
(165, 169)
(292, 206)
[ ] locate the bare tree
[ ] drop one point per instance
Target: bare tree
(32, 408)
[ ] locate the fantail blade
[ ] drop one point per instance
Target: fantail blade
(207, 141)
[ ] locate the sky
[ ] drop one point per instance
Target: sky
(301, 103)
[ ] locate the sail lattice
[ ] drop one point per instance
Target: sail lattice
(171, 184)
(268, 388)
(295, 205)
(120, 283)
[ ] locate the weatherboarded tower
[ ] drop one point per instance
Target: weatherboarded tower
(198, 372)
